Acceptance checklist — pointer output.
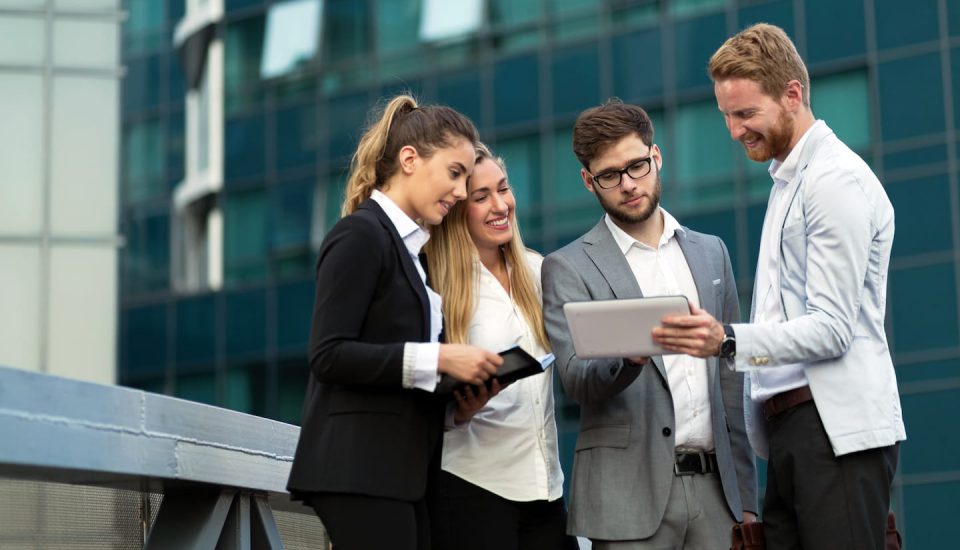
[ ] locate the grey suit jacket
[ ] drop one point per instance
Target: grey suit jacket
(623, 468)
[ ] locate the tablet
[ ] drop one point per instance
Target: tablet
(517, 364)
(620, 328)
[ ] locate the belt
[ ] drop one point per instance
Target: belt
(786, 401)
(686, 464)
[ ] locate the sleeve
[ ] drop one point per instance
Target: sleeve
(420, 365)
(586, 381)
(732, 388)
(839, 231)
(348, 273)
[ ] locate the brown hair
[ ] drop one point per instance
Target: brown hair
(764, 54)
(600, 127)
(401, 122)
(452, 261)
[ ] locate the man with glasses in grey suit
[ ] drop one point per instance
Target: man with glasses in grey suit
(662, 458)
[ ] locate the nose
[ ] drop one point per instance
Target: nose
(499, 204)
(736, 129)
(627, 183)
(460, 189)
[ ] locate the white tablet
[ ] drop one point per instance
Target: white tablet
(620, 328)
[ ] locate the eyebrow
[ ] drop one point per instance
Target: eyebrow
(630, 162)
(459, 165)
(487, 189)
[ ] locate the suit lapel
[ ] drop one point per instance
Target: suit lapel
(703, 276)
(406, 264)
(613, 267)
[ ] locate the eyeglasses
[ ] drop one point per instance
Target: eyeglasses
(638, 169)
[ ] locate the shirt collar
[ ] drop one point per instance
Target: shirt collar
(624, 241)
(414, 236)
(783, 172)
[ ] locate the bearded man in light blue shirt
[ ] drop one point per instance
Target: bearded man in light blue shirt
(821, 394)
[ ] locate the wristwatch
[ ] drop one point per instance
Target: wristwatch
(728, 346)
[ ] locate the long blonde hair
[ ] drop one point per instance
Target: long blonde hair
(401, 122)
(452, 260)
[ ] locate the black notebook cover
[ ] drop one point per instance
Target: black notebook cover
(517, 364)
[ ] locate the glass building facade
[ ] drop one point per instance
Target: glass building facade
(240, 170)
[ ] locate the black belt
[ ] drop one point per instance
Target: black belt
(687, 464)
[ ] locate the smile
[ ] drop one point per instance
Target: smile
(445, 206)
(499, 223)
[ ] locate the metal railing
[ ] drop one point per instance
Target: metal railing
(86, 465)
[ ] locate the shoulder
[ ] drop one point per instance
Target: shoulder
(362, 231)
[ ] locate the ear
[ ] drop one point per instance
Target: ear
(587, 180)
(408, 158)
(793, 95)
(657, 157)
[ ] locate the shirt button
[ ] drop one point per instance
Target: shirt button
(696, 413)
(667, 431)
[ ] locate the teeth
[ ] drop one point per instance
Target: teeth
(498, 223)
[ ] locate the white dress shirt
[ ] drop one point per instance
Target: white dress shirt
(509, 447)
(663, 271)
(769, 382)
(420, 360)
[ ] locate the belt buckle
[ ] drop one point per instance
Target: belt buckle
(679, 472)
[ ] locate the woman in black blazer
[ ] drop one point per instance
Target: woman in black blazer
(372, 428)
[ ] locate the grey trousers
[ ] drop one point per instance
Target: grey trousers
(697, 518)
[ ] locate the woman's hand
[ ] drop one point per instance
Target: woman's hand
(468, 364)
(471, 399)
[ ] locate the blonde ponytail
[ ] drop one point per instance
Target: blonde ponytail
(363, 166)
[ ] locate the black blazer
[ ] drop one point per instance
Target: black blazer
(362, 432)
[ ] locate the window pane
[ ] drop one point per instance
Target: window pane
(778, 12)
(200, 387)
(442, 20)
(682, 7)
(844, 103)
(923, 411)
(245, 389)
(567, 183)
(346, 115)
(522, 158)
(898, 90)
(143, 164)
(516, 90)
(694, 41)
(928, 370)
(394, 22)
(21, 153)
(462, 92)
(579, 65)
(86, 5)
(926, 203)
(294, 307)
(144, 29)
(292, 205)
(145, 341)
(245, 152)
(955, 73)
(88, 44)
(297, 136)
(20, 291)
(897, 26)
(196, 331)
(23, 40)
(174, 149)
(291, 388)
(834, 29)
(928, 506)
(935, 155)
(703, 162)
(245, 236)
(146, 258)
(637, 65)
(246, 314)
(929, 288)
(345, 30)
(241, 70)
(755, 215)
(83, 165)
(722, 224)
(292, 37)
(514, 11)
(141, 89)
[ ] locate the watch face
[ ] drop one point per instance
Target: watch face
(728, 347)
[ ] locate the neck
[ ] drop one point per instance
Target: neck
(647, 232)
(396, 191)
(491, 258)
(804, 121)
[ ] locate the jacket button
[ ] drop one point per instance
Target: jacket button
(667, 432)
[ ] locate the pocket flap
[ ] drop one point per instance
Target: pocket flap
(604, 436)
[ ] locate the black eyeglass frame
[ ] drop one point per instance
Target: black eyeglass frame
(647, 161)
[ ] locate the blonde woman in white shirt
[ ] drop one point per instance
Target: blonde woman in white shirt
(501, 486)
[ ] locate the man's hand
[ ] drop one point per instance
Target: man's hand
(697, 334)
(471, 399)
(749, 517)
(467, 363)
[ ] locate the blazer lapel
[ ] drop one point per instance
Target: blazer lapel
(406, 264)
(613, 267)
(703, 275)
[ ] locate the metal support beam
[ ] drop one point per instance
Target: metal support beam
(190, 519)
(264, 530)
(236, 530)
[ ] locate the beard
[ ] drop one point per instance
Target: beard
(621, 214)
(774, 143)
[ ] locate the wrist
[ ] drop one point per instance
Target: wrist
(728, 344)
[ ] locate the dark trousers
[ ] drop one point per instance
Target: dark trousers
(818, 501)
(357, 522)
(467, 517)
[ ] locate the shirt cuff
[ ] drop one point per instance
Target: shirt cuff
(420, 363)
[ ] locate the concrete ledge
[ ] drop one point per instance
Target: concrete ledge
(58, 429)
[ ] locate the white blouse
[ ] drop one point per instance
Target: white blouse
(510, 446)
